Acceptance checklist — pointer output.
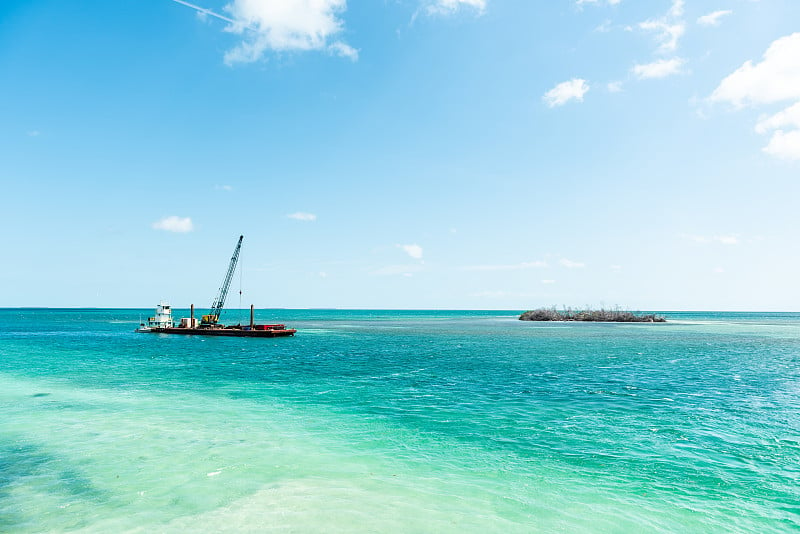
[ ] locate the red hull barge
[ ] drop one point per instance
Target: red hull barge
(270, 330)
(162, 322)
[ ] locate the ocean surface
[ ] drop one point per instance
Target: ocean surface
(400, 421)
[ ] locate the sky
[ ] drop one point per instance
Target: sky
(422, 154)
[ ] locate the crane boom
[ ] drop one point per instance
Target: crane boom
(219, 302)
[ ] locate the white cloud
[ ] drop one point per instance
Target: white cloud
(281, 26)
(658, 69)
(775, 79)
(285, 25)
(511, 267)
(565, 91)
(223, 187)
(668, 29)
(415, 251)
(788, 117)
(302, 216)
(614, 87)
(712, 19)
(446, 7)
(569, 264)
(548, 282)
(784, 145)
(173, 223)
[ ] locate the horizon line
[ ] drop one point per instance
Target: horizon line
(327, 308)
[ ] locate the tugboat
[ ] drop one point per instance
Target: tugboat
(162, 322)
(162, 319)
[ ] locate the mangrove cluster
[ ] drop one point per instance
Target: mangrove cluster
(599, 316)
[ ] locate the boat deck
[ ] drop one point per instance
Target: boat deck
(229, 331)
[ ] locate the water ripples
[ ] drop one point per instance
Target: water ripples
(579, 428)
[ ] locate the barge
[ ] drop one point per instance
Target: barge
(269, 330)
(162, 322)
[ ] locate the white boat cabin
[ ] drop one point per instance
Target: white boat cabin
(163, 317)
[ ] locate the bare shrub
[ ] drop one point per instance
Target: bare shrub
(598, 316)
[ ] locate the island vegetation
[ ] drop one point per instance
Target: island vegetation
(599, 316)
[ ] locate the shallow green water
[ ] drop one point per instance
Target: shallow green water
(400, 421)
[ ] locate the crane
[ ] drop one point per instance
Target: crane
(216, 308)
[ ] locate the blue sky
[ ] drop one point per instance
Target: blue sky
(483, 154)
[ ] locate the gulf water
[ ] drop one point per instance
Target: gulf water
(386, 421)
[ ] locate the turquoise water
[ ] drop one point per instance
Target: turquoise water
(400, 422)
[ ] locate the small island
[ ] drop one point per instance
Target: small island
(597, 316)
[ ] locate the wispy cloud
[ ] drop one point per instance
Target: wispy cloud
(206, 12)
(562, 93)
(658, 69)
(721, 239)
(603, 27)
(447, 7)
(415, 251)
(727, 239)
(223, 187)
(173, 223)
(302, 216)
(569, 264)
(507, 267)
(339, 48)
(676, 9)
(397, 270)
(548, 282)
(597, 2)
(489, 294)
(712, 19)
(34, 133)
(668, 29)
